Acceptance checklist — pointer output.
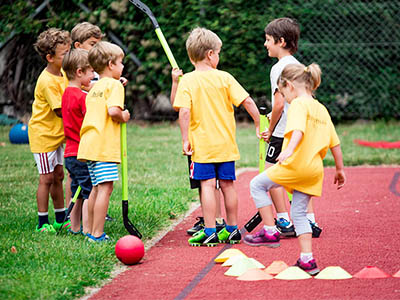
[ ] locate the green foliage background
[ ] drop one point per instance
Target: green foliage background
(353, 41)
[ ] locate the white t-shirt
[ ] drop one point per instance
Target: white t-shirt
(276, 71)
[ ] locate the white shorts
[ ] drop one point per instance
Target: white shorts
(46, 162)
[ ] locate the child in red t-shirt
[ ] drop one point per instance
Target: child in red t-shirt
(73, 107)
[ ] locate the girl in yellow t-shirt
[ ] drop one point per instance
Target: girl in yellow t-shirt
(308, 136)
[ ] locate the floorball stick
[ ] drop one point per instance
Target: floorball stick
(124, 170)
(70, 207)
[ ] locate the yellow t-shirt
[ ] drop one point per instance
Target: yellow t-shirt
(210, 96)
(46, 131)
(304, 170)
(100, 135)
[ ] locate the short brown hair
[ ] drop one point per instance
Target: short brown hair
(285, 28)
(48, 40)
(84, 31)
(102, 53)
(201, 40)
(75, 59)
(310, 75)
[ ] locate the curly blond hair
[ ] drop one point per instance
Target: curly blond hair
(48, 40)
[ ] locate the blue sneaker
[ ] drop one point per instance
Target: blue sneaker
(103, 238)
(285, 227)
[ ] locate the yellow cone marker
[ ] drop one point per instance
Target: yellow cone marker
(276, 267)
(255, 275)
(241, 266)
(293, 273)
(397, 274)
(333, 273)
(224, 256)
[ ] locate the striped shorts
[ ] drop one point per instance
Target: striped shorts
(101, 172)
(47, 161)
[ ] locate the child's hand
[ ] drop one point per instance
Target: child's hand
(285, 154)
(187, 148)
(176, 73)
(269, 116)
(266, 135)
(126, 115)
(124, 81)
(340, 178)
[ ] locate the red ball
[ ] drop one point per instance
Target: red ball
(129, 249)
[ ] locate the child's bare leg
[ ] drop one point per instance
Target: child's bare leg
(104, 191)
(208, 202)
(91, 202)
(42, 194)
(267, 215)
(56, 188)
(75, 215)
(231, 201)
(217, 203)
(85, 215)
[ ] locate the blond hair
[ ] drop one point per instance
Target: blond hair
(84, 31)
(102, 53)
(75, 59)
(201, 40)
(48, 40)
(310, 75)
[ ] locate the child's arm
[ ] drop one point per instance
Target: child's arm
(295, 139)
(340, 176)
(184, 119)
(119, 115)
(176, 73)
(277, 109)
(251, 108)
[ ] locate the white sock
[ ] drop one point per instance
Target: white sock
(59, 209)
(311, 217)
(270, 229)
(306, 257)
(284, 215)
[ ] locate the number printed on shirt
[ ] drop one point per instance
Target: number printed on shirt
(271, 151)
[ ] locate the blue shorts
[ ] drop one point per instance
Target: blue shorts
(101, 172)
(80, 176)
(204, 171)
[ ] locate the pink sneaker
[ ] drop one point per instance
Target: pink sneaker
(261, 238)
(309, 267)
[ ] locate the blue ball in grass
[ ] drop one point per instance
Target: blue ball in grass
(19, 134)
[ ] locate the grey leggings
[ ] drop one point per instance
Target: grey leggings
(259, 187)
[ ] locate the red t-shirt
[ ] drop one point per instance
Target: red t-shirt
(73, 109)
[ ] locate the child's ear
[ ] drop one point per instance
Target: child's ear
(78, 72)
(49, 58)
(209, 53)
(77, 45)
(282, 42)
(110, 64)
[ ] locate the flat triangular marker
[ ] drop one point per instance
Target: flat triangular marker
(232, 260)
(293, 273)
(371, 272)
(333, 273)
(241, 266)
(397, 275)
(276, 267)
(228, 253)
(257, 263)
(255, 275)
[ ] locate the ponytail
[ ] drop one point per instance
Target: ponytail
(310, 75)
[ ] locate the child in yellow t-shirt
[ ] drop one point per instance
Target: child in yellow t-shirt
(309, 134)
(46, 132)
(205, 99)
(100, 132)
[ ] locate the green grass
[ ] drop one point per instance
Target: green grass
(49, 267)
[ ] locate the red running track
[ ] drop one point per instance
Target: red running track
(360, 228)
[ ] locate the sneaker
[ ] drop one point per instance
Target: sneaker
(285, 227)
(224, 236)
(199, 225)
(108, 218)
(316, 231)
(201, 239)
(309, 267)
(70, 231)
(45, 228)
(220, 226)
(261, 238)
(65, 225)
(103, 238)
